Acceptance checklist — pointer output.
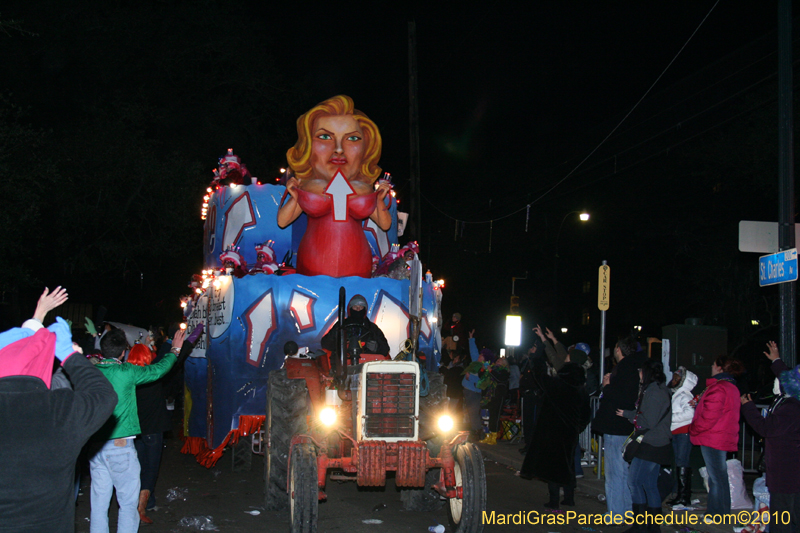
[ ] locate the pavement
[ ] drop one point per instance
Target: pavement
(229, 501)
(590, 493)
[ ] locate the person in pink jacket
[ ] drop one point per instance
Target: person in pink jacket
(715, 428)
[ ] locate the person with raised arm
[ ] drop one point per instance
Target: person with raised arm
(43, 429)
(781, 429)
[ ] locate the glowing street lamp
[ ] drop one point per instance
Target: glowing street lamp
(513, 330)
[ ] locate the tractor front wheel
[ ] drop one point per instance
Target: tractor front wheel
(465, 513)
(303, 489)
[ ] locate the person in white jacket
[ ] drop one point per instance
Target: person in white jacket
(683, 381)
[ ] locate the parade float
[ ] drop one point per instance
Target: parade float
(266, 283)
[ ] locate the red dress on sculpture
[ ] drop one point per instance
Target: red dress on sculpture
(330, 247)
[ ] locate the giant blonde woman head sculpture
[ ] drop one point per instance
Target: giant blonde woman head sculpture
(301, 155)
(334, 139)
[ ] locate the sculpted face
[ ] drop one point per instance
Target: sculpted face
(338, 144)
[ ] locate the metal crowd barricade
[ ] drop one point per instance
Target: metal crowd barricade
(751, 444)
(589, 457)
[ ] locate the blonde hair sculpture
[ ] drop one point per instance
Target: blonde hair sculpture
(299, 155)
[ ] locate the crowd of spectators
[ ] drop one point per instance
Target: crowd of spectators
(647, 426)
(103, 403)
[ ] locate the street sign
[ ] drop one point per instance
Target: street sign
(760, 237)
(603, 287)
(777, 268)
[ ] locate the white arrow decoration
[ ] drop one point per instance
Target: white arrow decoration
(339, 189)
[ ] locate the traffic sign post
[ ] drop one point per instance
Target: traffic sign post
(603, 292)
(777, 268)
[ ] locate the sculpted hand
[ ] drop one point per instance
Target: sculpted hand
(291, 185)
(383, 189)
(63, 338)
(772, 354)
(49, 301)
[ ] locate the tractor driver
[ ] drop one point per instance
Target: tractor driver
(361, 335)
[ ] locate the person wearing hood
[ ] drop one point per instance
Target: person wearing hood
(43, 430)
(715, 428)
(565, 411)
(781, 429)
(651, 418)
(361, 335)
(682, 383)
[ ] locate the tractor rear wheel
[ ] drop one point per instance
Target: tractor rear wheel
(287, 407)
(242, 455)
(303, 489)
(465, 513)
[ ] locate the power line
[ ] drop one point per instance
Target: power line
(602, 142)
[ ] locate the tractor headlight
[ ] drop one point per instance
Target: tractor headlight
(327, 416)
(445, 423)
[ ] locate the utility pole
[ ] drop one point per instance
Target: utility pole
(786, 237)
(414, 219)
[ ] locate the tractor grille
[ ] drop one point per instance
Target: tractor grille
(389, 405)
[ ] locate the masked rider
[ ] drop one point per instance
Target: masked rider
(361, 335)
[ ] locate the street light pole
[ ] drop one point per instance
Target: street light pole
(584, 216)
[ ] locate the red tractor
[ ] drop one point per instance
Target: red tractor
(361, 417)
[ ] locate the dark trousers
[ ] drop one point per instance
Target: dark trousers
(530, 412)
(784, 508)
(472, 406)
(495, 407)
(149, 448)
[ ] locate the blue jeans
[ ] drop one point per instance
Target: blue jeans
(618, 495)
(114, 467)
(643, 482)
(719, 492)
(682, 447)
(148, 448)
(472, 405)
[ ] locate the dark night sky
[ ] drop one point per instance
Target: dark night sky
(511, 100)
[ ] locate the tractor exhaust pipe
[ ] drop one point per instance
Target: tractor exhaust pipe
(340, 372)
